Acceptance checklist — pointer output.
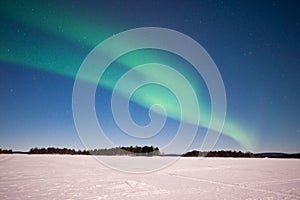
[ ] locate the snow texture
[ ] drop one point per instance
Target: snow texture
(83, 177)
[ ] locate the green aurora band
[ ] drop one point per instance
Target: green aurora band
(64, 43)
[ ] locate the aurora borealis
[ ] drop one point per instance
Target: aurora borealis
(53, 38)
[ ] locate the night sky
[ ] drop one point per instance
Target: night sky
(254, 44)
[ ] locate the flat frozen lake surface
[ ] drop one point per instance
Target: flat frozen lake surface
(83, 177)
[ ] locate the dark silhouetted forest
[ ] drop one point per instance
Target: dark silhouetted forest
(234, 154)
(53, 150)
(6, 151)
(149, 151)
(137, 151)
(143, 151)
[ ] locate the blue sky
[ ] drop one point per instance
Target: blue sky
(255, 45)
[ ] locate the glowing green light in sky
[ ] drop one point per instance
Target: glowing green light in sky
(150, 95)
(54, 33)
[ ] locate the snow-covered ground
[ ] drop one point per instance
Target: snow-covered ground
(83, 177)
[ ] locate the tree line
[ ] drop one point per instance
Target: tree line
(53, 150)
(6, 151)
(137, 150)
(148, 151)
(235, 154)
(132, 150)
